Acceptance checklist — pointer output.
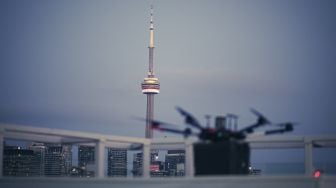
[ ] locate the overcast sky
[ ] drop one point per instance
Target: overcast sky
(78, 64)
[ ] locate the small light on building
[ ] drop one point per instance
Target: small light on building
(317, 173)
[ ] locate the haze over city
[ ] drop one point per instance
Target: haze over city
(78, 65)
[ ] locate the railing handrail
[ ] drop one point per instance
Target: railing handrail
(101, 141)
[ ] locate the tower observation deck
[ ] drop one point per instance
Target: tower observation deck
(151, 85)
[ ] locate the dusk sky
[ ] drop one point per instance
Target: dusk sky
(78, 64)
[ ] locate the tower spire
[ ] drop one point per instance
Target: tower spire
(151, 28)
(151, 43)
(150, 86)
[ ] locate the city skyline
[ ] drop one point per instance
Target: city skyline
(77, 65)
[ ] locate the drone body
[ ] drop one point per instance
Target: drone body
(221, 150)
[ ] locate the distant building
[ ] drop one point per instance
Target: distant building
(67, 157)
(39, 150)
(137, 164)
(156, 167)
(38, 160)
(86, 160)
(53, 161)
(154, 156)
(20, 162)
(58, 160)
(117, 162)
(175, 162)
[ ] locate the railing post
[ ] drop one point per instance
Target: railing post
(308, 157)
(99, 158)
(2, 147)
(146, 160)
(189, 152)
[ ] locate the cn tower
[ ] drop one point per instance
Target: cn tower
(150, 86)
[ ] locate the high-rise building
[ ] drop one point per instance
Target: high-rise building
(157, 169)
(58, 160)
(117, 162)
(86, 160)
(150, 86)
(67, 157)
(137, 164)
(53, 161)
(156, 166)
(38, 160)
(39, 150)
(175, 162)
(20, 162)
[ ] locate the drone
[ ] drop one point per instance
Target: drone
(214, 135)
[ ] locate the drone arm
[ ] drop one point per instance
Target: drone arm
(276, 131)
(250, 129)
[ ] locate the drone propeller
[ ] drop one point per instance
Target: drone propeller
(189, 119)
(187, 132)
(155, 123)
(262, 120)
(160, 125)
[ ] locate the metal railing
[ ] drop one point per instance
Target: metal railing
(101, 142)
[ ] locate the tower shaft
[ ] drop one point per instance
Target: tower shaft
(149, 116)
